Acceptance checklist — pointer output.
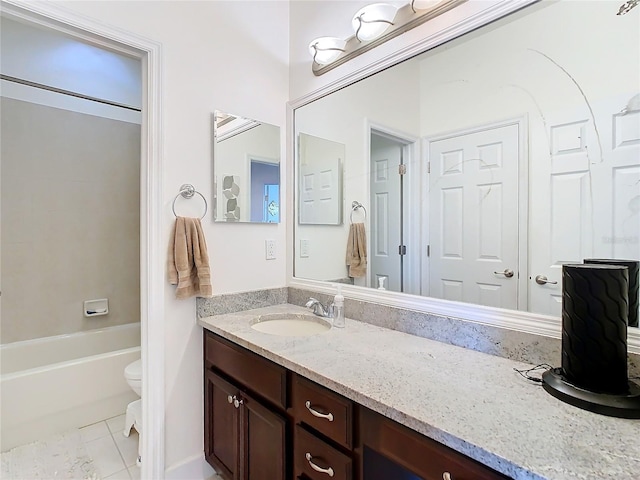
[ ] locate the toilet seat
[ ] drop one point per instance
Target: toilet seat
(133, 371)
(133, 376)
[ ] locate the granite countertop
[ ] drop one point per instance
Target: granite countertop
(472, 402)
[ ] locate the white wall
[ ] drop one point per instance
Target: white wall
(230, 56)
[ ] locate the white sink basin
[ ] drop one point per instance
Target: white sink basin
(290, 324)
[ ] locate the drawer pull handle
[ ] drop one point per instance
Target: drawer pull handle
(328, 471)
(446, 476)
(315, 413)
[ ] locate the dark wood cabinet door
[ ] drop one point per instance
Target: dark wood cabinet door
(262, 442)
(221, 426)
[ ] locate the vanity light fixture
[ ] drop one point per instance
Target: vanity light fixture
(326, 49)
(371, 21)
(374, 25)
(423, 4)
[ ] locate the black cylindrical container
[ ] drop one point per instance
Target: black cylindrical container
(634, 283)
(594, 327)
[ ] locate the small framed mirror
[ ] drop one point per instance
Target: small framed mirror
(246, 170)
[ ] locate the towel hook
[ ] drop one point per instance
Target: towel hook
(188, 191)
(355, 205)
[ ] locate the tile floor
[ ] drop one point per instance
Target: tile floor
(114, 455)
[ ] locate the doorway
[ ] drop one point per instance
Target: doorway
(152, 249)
(393, 248)
(265, 190)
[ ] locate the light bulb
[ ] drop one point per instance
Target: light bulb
(325, 50)
(373, 20)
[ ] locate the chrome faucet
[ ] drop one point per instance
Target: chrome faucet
(318, 309)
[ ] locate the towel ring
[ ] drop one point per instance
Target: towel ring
(188, 191)
(355, 205)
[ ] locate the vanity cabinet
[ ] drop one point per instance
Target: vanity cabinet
(263, 422)
(245, 425)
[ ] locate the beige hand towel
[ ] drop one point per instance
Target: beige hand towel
(188, 259)
(357, 250)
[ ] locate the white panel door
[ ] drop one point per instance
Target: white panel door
(587, 197)
(320, 181)
(473, 223)
(386, 156)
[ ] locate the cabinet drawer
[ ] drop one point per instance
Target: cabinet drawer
(323, 410)
(416, 453)
(317, 460)
(252, 371)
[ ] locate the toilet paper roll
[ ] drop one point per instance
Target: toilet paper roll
(634, 284)
(594, 326)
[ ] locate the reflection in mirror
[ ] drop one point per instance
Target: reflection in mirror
(320, 181)
(246, 165)
(512, 153)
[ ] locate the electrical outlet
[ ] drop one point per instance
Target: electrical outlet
(270, 249)
(304, 248)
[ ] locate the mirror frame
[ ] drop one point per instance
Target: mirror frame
(469, 18)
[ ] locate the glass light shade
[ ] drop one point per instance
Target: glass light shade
(325, 50)
(373, 20)
(425, 4)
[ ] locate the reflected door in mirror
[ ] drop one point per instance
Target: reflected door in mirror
(320, 181)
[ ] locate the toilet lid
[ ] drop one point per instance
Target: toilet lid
(134, 370)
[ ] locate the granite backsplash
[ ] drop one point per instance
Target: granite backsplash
(502, 342)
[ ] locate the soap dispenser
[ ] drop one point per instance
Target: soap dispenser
(338, 309)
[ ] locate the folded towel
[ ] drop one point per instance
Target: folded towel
(188, 259)
(357, 250)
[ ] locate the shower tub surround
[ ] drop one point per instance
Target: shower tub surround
(469, 401)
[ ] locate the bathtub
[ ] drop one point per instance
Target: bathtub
(54, 384)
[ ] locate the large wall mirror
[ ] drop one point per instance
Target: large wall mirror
(487, 163)
(246, 169)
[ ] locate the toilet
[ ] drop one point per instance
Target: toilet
(133, 417)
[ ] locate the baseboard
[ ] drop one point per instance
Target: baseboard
(192, 468)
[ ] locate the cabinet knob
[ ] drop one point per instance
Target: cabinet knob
(230, 398)
(315, 413)
(237, 403)
(446, 476)
(328, 471)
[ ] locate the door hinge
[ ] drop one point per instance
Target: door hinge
(402, 250)
(428, 250)
(428, 167)
(402, 169)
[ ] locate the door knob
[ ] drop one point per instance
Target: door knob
(507, 273)
(542, 280)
